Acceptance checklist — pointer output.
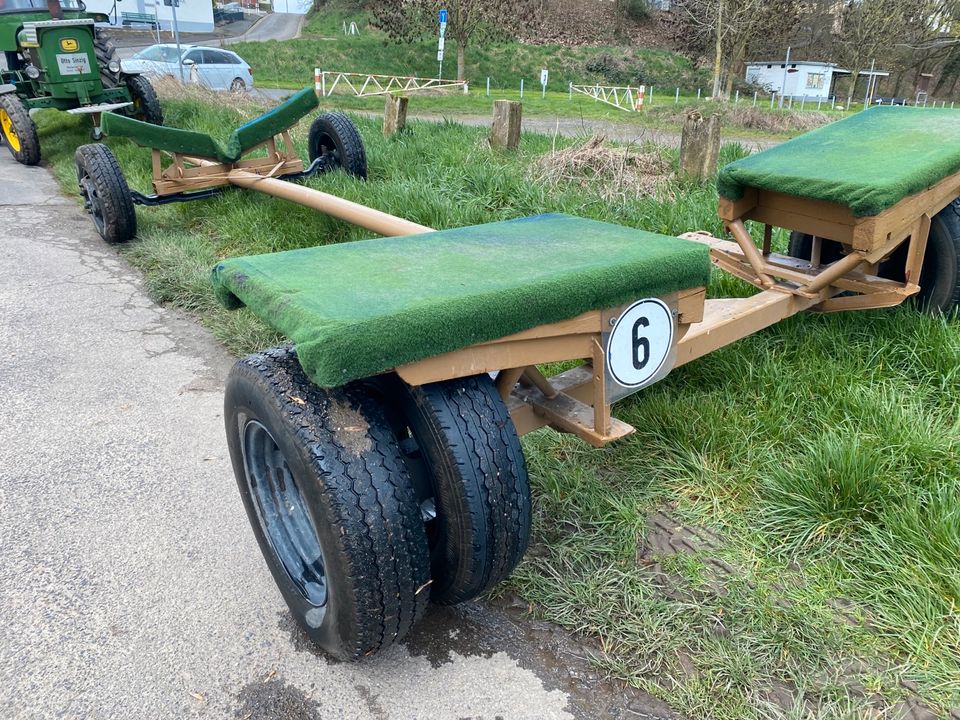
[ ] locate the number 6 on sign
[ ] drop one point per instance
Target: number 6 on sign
(640, 343)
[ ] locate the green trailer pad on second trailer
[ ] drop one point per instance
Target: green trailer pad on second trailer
(189, 142)
(361, 308)
(867, 162)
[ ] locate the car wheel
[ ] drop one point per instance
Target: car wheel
(238, 86)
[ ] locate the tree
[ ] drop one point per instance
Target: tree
(869, 30)
(729, 28)
(469, 22)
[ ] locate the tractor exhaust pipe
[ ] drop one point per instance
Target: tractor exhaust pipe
(53, 7)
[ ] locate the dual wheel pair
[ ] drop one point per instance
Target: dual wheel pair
(372, 500)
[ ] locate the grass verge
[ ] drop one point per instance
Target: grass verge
(822, 454)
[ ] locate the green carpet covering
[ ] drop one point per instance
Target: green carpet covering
(868, 161)
(361, 308)
(188, 142)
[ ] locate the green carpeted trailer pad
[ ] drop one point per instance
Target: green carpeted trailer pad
(188, 142)
(868, 161)
(358, 309)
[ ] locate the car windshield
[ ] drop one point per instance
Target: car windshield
(158, 53)
(21, 5)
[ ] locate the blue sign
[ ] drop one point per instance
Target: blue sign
(443, 17)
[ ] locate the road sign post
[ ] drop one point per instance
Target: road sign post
(174, 4)
(440, 43)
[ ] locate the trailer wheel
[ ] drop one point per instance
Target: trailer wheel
(336, 139)
(146, 104)
(940, 274)
(465, 457)
(330, 501)
(105, 193)
(18, 130)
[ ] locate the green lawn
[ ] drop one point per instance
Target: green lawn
(824, 453)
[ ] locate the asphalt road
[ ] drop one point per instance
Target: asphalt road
(275, 26)
(130, 582)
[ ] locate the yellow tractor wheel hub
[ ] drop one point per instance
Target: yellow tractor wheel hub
(6, 123)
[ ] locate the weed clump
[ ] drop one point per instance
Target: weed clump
(617, 173)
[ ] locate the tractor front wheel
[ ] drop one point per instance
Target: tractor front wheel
(146, 104)
(335, 139)
(105, 193)
(18, 130)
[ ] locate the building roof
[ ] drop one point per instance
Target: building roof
(792, 62)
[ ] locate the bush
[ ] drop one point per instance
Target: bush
(635, 9)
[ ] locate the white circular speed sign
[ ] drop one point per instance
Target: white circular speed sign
(640, 342)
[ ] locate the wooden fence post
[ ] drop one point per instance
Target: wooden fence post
(394, 114)
(700, 145)
(506, 124)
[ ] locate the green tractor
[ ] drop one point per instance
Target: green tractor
(56, 58)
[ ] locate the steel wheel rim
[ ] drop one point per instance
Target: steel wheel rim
(91, 201)
(328, 150)
(282, 513)
(6, 122)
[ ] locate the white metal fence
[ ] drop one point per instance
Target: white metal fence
(363, 85)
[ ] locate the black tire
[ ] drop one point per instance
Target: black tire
(336, 139)
(348, 552)
(18, 130)
(462, 447)
(105, 193)
(238, 86)
(940, 274)
(105, 52)
(146, 104)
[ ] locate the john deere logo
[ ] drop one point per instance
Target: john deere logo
(69, 44)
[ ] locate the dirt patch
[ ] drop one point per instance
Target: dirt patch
(275, 700)
(349, 427)
(560, 659)
(619, 173)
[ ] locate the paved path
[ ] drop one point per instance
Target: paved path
(275, 26)
(622, 132)
(130, 582)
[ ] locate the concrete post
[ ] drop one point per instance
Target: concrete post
(394, 114)
(507, 115)
(700, 145)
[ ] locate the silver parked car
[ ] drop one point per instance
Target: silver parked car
(215, 68)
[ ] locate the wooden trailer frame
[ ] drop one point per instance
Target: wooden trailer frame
(577, 401)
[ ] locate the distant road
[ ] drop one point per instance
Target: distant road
(621, 132)
(275, 26)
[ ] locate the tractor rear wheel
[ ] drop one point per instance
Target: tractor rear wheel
(330, 502)
(18, 130)
(105, 193)
(335, 139)
(106, 52)
(467, 465)
(146, 104)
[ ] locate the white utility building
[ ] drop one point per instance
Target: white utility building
(192, 15)
(802, 79)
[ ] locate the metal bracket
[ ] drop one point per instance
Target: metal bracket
(316, 167)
